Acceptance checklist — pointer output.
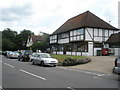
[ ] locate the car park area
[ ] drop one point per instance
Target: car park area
(104, 64)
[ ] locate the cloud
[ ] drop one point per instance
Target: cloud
(15, 12)
(49, 15)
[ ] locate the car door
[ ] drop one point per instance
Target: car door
(35, 58)
(38, 59)
(118, 62)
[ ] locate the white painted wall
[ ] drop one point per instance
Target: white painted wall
(117, 51)
(54, 52)
(29, 42)
(68, 53)
(85, 54)
(110, 32)
(87, 36)
(95, 51)
(53, 39)
(60, 52)
(90, 48)
(98, 39)
(63, 41)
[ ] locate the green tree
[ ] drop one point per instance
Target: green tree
(21, 38)
(8, 39)
(9, 34)
(39, 46)
(43, 45)
(8, 45)
(11, 40)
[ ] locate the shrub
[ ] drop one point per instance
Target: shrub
(69, 61)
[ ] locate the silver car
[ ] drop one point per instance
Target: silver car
(12, 54)
(43, 59)
(116, 69)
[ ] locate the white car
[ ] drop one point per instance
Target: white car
(43, 59)
(12, 54)
(33, 56)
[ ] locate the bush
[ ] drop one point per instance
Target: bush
(69, 61)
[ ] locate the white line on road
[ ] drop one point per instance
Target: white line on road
(98, 74)
(9, 65)
(32, 74)
(70, 88)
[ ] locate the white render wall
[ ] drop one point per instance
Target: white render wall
(89, 34)
(63, 41)
(90, 48)
(117, 51)
(95, 51)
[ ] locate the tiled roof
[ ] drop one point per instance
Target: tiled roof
(37, 38)
(86, 19)
(114, 38)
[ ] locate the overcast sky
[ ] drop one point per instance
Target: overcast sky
(48, 15)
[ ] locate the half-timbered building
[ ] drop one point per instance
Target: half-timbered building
(114, 44)
(81, 35)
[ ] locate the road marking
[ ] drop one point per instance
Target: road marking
(70, 88)
(32, 74)
(9, 65)
(98, 74)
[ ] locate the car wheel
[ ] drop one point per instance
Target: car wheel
(18, 59)
(113, 71)
(42, 64)
(54, 66)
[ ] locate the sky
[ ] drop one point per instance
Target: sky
(48, 15)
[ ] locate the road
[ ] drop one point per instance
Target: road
(17, 74)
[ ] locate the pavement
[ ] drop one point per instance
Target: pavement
(103, 64)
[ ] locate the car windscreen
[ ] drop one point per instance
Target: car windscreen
(16, 53)
(28, 52)
(45, 56)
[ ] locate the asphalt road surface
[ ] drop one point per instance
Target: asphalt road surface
(17, 74)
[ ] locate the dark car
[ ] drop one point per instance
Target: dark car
(116, 69)
(24, 55)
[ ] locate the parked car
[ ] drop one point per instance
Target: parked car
(7, 54)
(4, 53)
(0, 52)
(116, 69)
(12, 54)
(24, 55)
(44, 59)
(33, 56)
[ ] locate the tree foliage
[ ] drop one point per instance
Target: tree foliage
(43, 45)
(11, 40)
(39, 46)
(21, 38)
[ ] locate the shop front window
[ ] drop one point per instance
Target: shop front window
(82, 47)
